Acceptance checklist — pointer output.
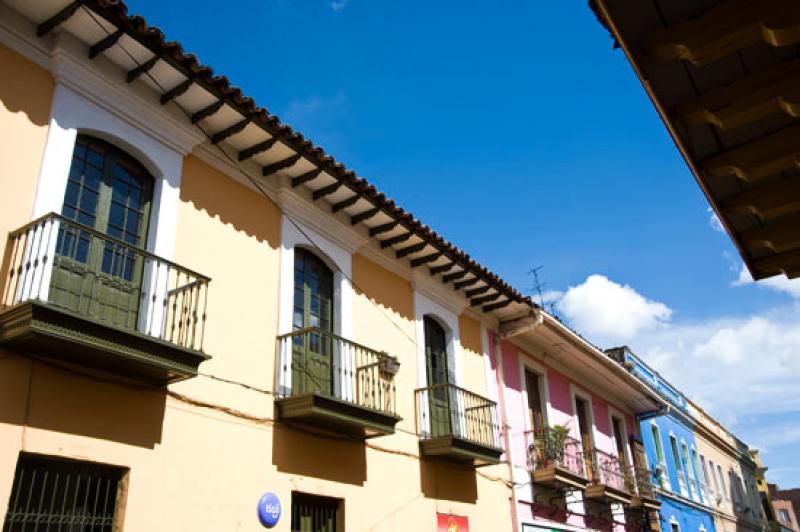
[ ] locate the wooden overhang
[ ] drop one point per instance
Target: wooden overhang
(724, 75)
(558, 477)
(237, 125)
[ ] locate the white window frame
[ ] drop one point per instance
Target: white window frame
(677, 461)
(658, 443)
(614, 413)
(578, 393)
(691, 477)
(526, 364)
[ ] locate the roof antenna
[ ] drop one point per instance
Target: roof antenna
(537, 286)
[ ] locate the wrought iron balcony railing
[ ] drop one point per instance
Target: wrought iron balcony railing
(610, 471)
(446, 410)
(315, 361)
(94, 276)
(549, 447)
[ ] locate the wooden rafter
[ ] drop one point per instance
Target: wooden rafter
(478, 301)
(207, 111)
(176, 91)
(787, 262)
(327, 190)
(273, 168)
(396, 240)
(767, 201)
(408, 250)
(435, 270)
(779, 236)
(219, 136)
(105, 43)
(59, 18)
(145, 67)
(747, 100)
(477, 291)
(349, 202)
(453, 276)
(305, 178)
(426, 259)
(726, 28)
(496, 306)
(462, 284)
(760, 158)
(257, 148)
(383, 228)
(366, 215)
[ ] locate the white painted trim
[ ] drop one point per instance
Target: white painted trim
(340, 261)
(435, 291)
(575, 393)
(491, 378)
(424, 306)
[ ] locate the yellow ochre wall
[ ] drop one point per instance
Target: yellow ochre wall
(201, 454)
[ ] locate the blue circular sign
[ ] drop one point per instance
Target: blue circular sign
(269, 510)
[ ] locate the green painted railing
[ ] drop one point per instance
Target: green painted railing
(313, 360)
(448, 410)
(86, 272)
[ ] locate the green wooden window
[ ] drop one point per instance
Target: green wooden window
(311, 513)
(51, 494)
(441, 399)
(109, 191)
(312, 354)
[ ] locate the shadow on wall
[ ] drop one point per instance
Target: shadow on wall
(549, 504)
(36, 394)
(247, 211)
(598, 515)
(25, 88)
(322, 457)
(383, 287)
(439, 480)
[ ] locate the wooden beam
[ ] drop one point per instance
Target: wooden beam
(305, 178)
(779, 236)
(176, 91)
(325, 191)
(749, 99)
(207, 111)
(349, 202)
(767, 201)
(143, 68)
(219, 136)
(496, 306)
(56, 20)
(366, 215)
(273, 168)
(760, 158)
(453, 276)
(485, 299)
(461, 284)
(257, 148)
(105, 43)
(426, 259)
(378, 229)
(443, 268)
(727, 28)
(477, 291)
(786, 262)
(395, 240)
(413, 248)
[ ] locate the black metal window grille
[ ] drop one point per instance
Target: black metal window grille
(311, 513)
(52, 494)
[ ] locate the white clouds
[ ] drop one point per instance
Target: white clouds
(713, 221)
(611, 312)
(338, 5)
(551, 296)
(731, 365)
(779, 283)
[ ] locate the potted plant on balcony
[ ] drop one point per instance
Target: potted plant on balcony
(550, 443)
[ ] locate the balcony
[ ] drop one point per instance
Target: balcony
(610, 479)
(330, 385)
(457, 426)
(82, 298)
(555, 459)
(645, 496)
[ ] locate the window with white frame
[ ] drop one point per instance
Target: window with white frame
(724, 492)
(704, 472)
(661, 465)
(689, 469)
(676, 459)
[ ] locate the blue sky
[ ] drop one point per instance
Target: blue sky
(516, 131)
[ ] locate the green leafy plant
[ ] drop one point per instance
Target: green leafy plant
(550, 443)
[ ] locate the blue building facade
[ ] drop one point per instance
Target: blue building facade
(670, 448)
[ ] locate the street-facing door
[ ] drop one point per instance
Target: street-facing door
(110, 192)
(585, 428)
(438, 378)
(312, 353)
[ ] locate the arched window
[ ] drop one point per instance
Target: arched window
(441, 397)
(109, 192)
(312, 364)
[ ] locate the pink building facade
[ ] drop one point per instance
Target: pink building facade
(570, 431)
